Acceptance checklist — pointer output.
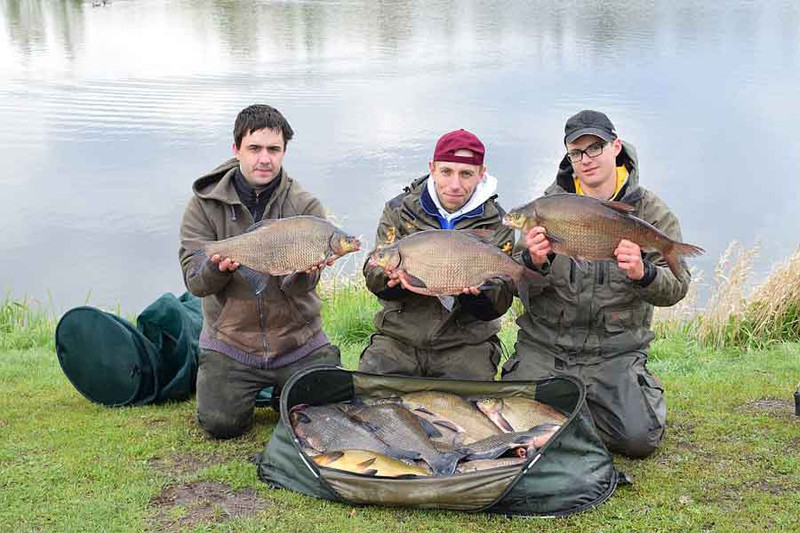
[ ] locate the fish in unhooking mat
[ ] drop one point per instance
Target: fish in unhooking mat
(399, 428)
(368, 463)
(451, 411)
(326, 429)
(586, 228)
(522, 442)
(279, 247)
(443, 263)
(477, 465)
(519, 414)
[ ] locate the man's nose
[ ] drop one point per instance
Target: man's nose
(452, 181)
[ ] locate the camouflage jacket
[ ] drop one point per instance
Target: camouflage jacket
(422, 321)
(281, 325)
(585, 314)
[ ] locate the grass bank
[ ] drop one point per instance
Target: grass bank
(730, 460)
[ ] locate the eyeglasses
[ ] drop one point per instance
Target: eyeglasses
(593, 150)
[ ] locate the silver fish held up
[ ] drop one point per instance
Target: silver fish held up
(586, 228)
(279, 247)
(442, 263)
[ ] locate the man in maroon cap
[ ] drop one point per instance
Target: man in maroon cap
(416, 335)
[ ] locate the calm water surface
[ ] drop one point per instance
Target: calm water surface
(107, 115)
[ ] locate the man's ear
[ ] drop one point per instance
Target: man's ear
(235, 150)
(617, 144)
(431, 166)
(484, 168)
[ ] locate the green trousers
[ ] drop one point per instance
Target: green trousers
(227, 389)
(387, 355)
(625, 399)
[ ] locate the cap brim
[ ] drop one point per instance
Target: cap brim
(597, 132)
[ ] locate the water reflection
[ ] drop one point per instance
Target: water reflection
(108, 113)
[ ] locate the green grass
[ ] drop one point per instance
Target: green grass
(730, 460)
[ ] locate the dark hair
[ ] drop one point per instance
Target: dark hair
(258, 117)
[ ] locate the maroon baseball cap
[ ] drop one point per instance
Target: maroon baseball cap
(450, 143)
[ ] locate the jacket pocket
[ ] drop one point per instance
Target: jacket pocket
(653, 397)
(619, 320)
(239, 323)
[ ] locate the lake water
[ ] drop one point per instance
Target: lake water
(108, 113)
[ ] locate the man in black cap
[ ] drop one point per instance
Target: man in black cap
(593, 322)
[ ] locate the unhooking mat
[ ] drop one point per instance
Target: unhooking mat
(572, 472)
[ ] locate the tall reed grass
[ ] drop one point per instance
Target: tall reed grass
(738, 314)
(25, 324)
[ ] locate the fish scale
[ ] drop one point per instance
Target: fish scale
(280, 247)
(443, 260)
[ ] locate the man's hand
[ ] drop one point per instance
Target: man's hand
(538, 245)
(394, 279)
(629, 259)
(225, 265)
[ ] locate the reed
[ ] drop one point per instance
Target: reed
(348, 309)
(25, 324)
(773, 310)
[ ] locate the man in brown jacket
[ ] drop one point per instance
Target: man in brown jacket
(416, 335)
(593, 322)
(249, 343)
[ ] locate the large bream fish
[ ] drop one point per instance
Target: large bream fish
(279, 247)
(443, 262)
(586, 228)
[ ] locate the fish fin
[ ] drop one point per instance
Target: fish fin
(448, 301)
(554, 239)
(289, 279)
(469, 455)
(328, 458)
(673, 252)
(447, 425)
(485, 235)
(406, 454)
(407, 476)
(415, 281)
(197, 254)
(372, 428)
(370, 472)
(194, 246)
(526, 281)
(446, 463)
(502, 423)
(368, 462)
(620, 207)
(430, 429)
(424, 411)
(261, 224)
(257, 280)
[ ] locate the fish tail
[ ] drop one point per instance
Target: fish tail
(197, 253)
(527, 280)
(674, 252)
(445, 464)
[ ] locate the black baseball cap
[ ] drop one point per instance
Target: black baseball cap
(589, 122)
